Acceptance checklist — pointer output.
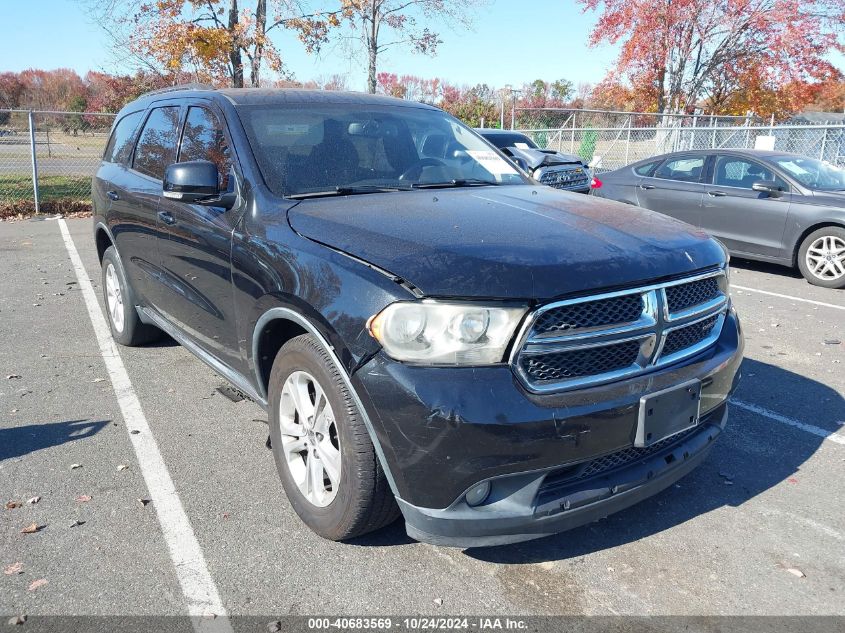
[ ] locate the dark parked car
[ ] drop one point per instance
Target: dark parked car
(555, 169)
(431, 334)
(771, 206)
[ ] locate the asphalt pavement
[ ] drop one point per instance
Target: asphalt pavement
(758, 529)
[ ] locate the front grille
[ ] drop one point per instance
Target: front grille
(628, 455)
(590, 314)
(686, 296)
(581, 362)
(689, 335)
(565, 178)
(585, 341)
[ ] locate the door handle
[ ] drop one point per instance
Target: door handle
(646, 187)
(166, 217)
(113, 195)
(716, 194)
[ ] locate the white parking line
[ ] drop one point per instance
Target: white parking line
(197, 585)
(830, 436)
(790, 297)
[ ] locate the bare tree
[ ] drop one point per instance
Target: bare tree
(382, 24)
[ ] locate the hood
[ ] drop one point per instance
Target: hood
(542, 157)
(507, 242)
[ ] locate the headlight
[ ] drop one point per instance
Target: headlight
(438, 333)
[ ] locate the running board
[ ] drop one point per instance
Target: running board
(237, 379)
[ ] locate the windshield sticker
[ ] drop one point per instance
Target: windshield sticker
(492, 162)
(521, 145)
(288, 128)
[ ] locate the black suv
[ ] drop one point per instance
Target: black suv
(430, 332)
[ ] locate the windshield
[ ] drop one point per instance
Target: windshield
(315, 149)
(502, 141)
(813, 173)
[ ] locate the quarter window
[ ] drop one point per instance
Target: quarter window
(204, 139)
(686, 169)
(157, 143)
(120, 144)
(736, 172)
(645, 169)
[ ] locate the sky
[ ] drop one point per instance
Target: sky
(541, 39)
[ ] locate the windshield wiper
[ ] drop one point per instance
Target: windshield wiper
(457, 182)
(349, 190)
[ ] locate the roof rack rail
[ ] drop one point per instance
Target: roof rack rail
(189, 86)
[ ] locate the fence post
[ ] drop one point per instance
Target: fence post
(34, 161)
(824, 141)
(628, 139)
(572, 142)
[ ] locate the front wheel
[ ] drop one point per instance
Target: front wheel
(323, 453)
(821, 257)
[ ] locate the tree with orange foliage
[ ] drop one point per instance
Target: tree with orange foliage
(684, 50)
(210, 37)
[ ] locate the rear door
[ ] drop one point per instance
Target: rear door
(747, 221)
(196, 256)
(155, 149)
(675, 188)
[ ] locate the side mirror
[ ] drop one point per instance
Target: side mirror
(768, 187)
(195, 182)
(521, 163)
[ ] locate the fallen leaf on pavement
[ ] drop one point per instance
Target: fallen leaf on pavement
(122, 467)
(99, 380)
(13, 569)
(32, 528)
(143, 502)
(34, 500)
(75, 466)
(11, 505)
(77, 523)
(13, 376)
(17, 620)
(83, 498)
(438, 601)
(796, 572)
(35, 584)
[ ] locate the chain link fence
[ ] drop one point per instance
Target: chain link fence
(47, 159)
(609, 140)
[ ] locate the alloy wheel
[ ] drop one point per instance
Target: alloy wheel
(825, 258)
(114, 298)
(310, 442)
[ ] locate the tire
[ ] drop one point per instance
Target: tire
(357, 501)
(126, 328)
(821, 257)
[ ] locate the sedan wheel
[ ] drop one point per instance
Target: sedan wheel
(821, 257)
(310, 440)
(826, 258)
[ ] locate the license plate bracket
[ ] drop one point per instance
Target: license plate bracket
(667, 412)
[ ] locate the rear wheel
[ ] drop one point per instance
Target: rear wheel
(323, 453)
(126, 327)
(821, 257)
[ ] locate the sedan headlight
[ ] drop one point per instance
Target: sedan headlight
(442, 333)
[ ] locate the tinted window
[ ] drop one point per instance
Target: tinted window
(157, 144)
(120, 144)
(317, 148)
(204, 139)
(645, 169)
(686, 169)
(737, 172)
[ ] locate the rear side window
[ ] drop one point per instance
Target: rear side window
(645, 169)
(685, 169)
(157, 144)
(119, 148)
(204, 139)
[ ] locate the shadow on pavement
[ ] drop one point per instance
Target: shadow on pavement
(22, 440)
(764, 267)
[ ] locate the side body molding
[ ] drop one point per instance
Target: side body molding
(291, 315)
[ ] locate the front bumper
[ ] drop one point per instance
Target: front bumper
(445, 430)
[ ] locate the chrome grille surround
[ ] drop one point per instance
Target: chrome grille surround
(689, 330)
(565, 177)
